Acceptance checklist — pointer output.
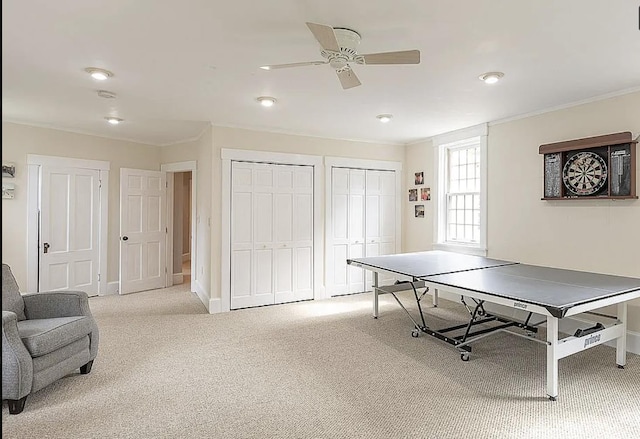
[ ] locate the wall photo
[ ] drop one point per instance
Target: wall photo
(8, 190)
(8, 170)
(425, 194)
(419, 177)
(419, 210)
(413, 194)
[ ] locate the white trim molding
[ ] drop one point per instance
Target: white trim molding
(440, 145)
(342, 162)
(229, 155)
(185, 166)
(34, 164)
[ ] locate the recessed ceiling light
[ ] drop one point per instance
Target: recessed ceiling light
(114, 120)
(491, 77)
(384, 118)
(98, 74)
(266, 101)
(106, 94)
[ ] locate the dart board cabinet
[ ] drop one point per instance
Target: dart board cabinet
(591, 168)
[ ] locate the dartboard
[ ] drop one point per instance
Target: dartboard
(584, 173)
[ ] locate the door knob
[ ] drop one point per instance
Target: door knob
(125, 238)
(46, 246)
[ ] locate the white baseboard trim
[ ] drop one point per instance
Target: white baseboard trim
(112, 288)
(202, 295)
(567, 325)
(178, 278)
(215, 305)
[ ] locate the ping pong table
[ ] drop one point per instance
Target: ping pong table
(549, 292)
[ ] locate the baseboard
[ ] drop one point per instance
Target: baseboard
(112, 288)
(567, 325)
(215, 305)
(202, 295)
(178, 278)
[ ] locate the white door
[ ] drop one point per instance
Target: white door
(348, 220)
(143, 231)
(271, 234)
(380, 219)
(363, 214)
(69, 229)
(293, 233)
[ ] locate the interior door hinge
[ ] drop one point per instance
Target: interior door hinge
(98, 277)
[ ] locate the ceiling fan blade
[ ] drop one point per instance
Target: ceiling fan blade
(348, 78)
(295, 64)
(325, 36)
(402, 57)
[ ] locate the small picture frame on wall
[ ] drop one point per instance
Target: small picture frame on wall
(419, 210)
(419, 178)
(413, 194)
(8, 170)
(8, 190)
(425, 194)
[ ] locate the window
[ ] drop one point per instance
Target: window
(461, 203)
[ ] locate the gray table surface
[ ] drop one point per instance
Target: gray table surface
(424, 264)
(553, 288)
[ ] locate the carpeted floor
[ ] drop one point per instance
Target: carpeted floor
(325, 369)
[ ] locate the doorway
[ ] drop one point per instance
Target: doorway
(182, 182)
(181, 224)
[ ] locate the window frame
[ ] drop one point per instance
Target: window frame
(476, 135)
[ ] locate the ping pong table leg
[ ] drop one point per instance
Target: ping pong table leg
(375, 294)
(621, 342)
(552, 357)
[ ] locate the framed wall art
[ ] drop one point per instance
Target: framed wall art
(8, 170)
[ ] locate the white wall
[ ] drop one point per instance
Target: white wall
(589, 235)
(417, 233)
(20, 140)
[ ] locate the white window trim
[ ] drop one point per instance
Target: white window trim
(440, 218)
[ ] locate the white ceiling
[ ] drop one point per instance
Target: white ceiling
(180, 65)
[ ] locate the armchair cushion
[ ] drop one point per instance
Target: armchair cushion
(11, 298)
(42, 336)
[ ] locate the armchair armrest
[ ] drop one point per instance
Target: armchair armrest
(56, 304)
(17, 365)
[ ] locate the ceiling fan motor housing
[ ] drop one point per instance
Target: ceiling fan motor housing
(348, 41)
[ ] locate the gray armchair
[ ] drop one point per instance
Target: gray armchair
(45, 336)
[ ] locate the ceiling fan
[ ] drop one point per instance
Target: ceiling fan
(339, 49)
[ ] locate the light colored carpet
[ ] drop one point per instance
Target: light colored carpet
(325, 369)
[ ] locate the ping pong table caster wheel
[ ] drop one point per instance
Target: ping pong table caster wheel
(415, 333)
(464, 356)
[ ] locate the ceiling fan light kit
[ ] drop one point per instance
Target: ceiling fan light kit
(339, 48)
(491, 77)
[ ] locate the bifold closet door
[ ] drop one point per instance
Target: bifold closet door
(348, 214)
(271, 234)
(363, 221)
(380, 220)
